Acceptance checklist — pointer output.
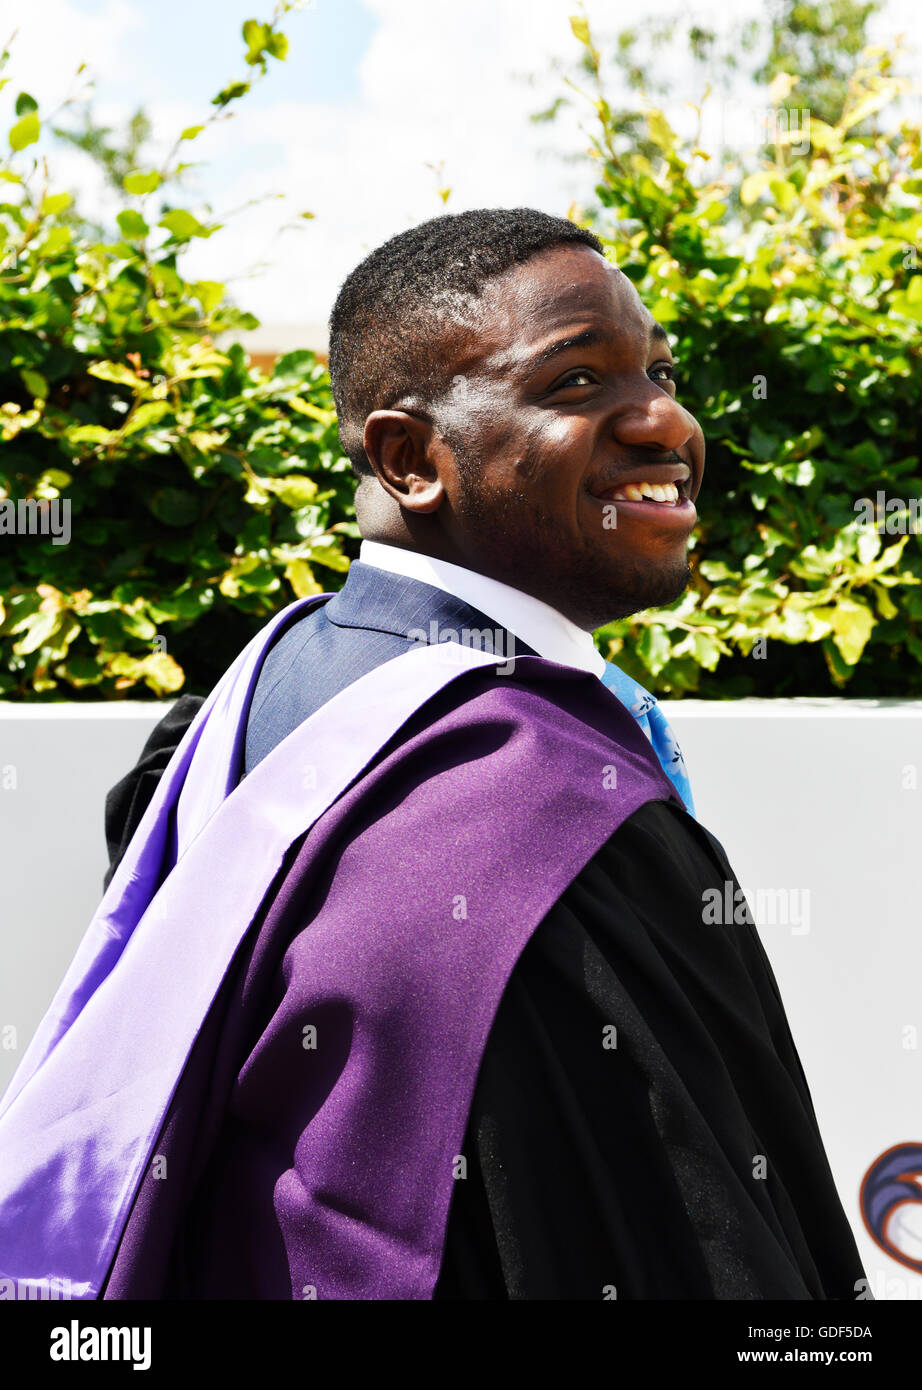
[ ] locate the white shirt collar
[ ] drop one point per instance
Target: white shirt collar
(549, 633)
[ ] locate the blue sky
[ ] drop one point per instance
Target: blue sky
(380, 104)
(195, 47)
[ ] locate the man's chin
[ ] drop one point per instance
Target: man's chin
(643, 590)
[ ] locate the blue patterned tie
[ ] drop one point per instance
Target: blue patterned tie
(655, 725)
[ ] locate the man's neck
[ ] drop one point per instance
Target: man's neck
(545, 629)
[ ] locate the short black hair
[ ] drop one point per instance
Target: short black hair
(393, 313)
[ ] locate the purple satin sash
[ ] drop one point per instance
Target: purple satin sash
(85, 1107)
(199, 785)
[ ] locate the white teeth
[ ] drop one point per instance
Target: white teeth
(654, 492)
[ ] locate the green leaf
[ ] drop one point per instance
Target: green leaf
(25, 103)
(707, 650)
(139, 182)
(784, 193)
(162, 673)
(882, 421)
(715, 571)
(180, 223)
(150, 413)
(868, 545)
(191, 131)
(131, 224)
(230, 93)
(51, 482)
(580, 28)
(654, 647)
(186, 604)
(34, 383)
(754, 186)
(209, 293)
(301, 578)
(660, 131)
(80, 670)
(39, 629)
(159, 671)
(53, 203)
(314, 412)
(89, 434)
(117, 373)
(885, 605)
(174, 507)
(325, 551)
(56, 241)
(260, 579)
(801, 473)
(823, 136)
(852, 624)
(763, 444)
(865, 454)
(255, 36)
(143, 416)
(839, 668)
(872, 102)
(25, 132)
(294, 491)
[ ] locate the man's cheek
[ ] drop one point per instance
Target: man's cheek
(549, 453)
(529, 468)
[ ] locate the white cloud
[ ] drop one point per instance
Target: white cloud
(53, 37)
(438, 82)
(439, 85)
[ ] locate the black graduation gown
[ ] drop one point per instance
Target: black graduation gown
(641, 1126)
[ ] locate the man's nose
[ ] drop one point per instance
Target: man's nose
(654, 422)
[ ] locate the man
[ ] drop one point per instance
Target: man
(477, 1041)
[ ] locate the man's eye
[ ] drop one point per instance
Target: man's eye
(580, 376)
(568, 380)
(668, 367)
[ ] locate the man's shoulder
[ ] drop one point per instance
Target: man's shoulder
(546, 743)
(311, 663)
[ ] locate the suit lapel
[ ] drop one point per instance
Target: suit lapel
(379, 601)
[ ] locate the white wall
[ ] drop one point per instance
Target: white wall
(826, 795)
(816, 795)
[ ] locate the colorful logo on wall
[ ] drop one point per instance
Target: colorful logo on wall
(891, 1203)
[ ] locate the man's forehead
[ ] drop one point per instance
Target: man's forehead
(547, 299)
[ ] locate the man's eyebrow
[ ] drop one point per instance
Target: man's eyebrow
(590, 337)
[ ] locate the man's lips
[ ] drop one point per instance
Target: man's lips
(680, 514)
(656, 473)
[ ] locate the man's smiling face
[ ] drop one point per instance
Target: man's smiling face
(562, 397)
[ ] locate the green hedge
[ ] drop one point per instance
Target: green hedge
(204, 494)
(793, 294)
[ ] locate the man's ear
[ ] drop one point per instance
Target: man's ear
(398, 446)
